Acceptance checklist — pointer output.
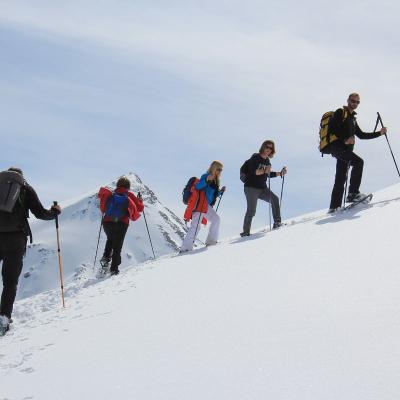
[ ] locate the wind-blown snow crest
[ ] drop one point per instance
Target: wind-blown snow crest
(307, 312)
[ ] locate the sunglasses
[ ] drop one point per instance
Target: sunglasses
(219, 169)
(269, 147)
(355, 101)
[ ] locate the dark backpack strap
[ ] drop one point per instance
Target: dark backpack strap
(23, 213)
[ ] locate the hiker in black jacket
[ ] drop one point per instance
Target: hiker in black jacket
(344, 126)
(255, 185)
(14, 230)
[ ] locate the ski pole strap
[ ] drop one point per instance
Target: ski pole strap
(378, 118)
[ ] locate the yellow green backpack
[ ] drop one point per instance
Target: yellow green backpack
(326, 137)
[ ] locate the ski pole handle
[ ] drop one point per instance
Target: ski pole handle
(55, 204)
(380, 120)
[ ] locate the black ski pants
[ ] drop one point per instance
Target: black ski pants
(12, 251)
(115, 232)
(345, 158)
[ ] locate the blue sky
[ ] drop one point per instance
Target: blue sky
(92, 90)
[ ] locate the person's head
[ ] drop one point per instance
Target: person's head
(215, 168)
(17, 170)
(353, 101)
(124, 182)
(267, 148)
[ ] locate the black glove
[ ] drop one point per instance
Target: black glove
(55, 210)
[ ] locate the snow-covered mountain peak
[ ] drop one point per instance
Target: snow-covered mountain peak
(79, 229)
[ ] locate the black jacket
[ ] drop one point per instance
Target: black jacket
(17, 221)
(345, 129)
(258, 181)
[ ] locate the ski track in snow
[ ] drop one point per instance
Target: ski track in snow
(40, 324)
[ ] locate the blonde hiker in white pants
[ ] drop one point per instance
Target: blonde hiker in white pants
(205, 192)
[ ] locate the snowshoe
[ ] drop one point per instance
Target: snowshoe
(354, 197)
(363, 199)
(278, 225)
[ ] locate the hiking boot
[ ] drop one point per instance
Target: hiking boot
(333, 210)
(4, 324)
(105, 262)
(114, 271)
(352, 197)
(277, 225)
(244, 234)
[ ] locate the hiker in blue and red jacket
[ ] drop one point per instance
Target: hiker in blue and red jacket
(118, 208)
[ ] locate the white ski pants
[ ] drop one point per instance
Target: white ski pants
(212, 238)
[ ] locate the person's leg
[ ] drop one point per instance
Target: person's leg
(356, 173)
(251, 199)
(270, 197)
(342, 160)
(109, 231)
(214, 221)
(118, 237)
(13, 250)
(193, 231)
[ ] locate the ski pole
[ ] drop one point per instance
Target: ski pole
(283, 183)
(219, 201)
(270, 200)
(59, 258)
(148, 232)
(98, 241)
(198, 222)
(390, 147)
(345, 187)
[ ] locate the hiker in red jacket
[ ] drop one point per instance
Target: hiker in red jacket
(118, 207)
(204, 194)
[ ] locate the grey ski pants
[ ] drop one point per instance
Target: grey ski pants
(252, 196)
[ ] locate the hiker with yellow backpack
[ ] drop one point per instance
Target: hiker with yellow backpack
(337, 137)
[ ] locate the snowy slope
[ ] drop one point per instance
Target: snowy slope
(308, 312)
(79, 227)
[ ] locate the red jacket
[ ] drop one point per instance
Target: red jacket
(197, 203)
(135, 205)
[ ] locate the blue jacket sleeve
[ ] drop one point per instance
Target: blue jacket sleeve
(202, 183)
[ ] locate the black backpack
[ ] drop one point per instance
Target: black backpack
(244, 171)
(13, 214)
(11, 184)
(187, 190)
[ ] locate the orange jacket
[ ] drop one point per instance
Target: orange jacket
(197, 203)
(135, 205)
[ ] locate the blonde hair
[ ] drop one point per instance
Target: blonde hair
(213, 166)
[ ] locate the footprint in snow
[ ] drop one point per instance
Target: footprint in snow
(27, 370)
